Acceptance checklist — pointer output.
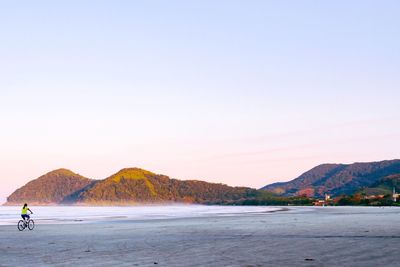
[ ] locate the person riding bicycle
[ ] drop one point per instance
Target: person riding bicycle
(24, 213)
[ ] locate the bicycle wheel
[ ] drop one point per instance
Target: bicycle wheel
(31, 224)
(21, 225)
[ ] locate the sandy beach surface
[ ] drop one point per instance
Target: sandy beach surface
(300, 236)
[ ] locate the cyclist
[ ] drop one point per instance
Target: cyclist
(24, 213)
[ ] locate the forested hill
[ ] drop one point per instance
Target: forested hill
(336, 179)
(134, 185)
(126, 187)
(384, 186)
(137, 186)
(51, 188)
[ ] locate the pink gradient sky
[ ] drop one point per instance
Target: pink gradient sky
(232, 92)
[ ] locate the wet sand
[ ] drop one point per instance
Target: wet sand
(310, 236)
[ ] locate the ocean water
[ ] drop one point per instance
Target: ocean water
(10, 215)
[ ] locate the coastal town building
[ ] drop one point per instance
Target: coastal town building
(323, 202)
(395, 195)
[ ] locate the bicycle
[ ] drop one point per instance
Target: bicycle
(22, 224)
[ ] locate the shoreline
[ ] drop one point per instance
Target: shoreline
(298, 237)
(72, 215)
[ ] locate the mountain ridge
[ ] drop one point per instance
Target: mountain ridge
(336, 179)
(132, 186)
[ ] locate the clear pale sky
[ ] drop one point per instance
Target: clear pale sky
(238, 92)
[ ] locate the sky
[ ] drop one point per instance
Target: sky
(244, 93)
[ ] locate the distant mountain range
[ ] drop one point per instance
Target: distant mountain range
(126, 187)
(337, 179)
(136, 186)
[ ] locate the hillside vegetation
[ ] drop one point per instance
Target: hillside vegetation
(137, 185)
(384, 186)
(126, 187)
(348, 184)
(51, 188)
(336, 179)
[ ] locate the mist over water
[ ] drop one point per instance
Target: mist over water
(10, 215)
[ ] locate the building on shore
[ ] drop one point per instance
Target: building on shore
(395, 195)
(324, 202)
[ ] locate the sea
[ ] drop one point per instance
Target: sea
(10, 215)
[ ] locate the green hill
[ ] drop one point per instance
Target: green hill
(50, 188)
(135, 185)
(126, 187)
(384, 186)
(336, 179)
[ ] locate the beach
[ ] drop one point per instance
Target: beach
(282, 236)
